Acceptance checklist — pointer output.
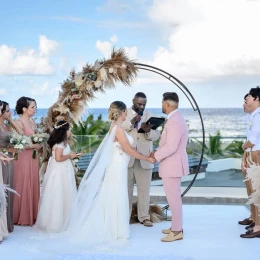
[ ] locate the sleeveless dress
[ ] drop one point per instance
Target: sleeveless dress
(109, 217)
(8, 179)
(58, 193)
(27, 185)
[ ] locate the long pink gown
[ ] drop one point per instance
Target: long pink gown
(27, 185)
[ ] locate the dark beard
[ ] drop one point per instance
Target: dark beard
(136, 109)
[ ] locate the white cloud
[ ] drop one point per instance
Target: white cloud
(207, 39)
(28, 62)
(106, 48)
(46, 47)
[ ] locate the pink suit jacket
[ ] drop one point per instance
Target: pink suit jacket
(171, 153)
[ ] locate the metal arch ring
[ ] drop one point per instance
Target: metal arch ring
(193, 103)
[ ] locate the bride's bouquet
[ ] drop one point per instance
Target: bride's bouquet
(39, 138)
(19, 142)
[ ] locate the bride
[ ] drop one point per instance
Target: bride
(101, 212)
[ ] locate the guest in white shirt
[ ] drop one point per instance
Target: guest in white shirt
(252, 148)
(247, 221)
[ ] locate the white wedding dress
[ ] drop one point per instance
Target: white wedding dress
(108, 217)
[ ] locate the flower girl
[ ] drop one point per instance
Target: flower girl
(59, 186)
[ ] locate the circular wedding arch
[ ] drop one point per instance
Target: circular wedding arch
(177, 83)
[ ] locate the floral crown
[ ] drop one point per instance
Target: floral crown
(59, 126)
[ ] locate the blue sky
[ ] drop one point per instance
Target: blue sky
(218, 58)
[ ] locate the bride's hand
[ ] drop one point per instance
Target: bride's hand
(150, 160)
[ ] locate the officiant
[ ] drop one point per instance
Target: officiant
(140, 172)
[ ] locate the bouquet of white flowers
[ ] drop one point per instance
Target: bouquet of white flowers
(19, 142)
(39, 138)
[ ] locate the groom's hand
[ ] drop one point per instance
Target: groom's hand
(152, 154)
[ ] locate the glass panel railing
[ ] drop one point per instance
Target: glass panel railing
(87, 143)
(220, 166)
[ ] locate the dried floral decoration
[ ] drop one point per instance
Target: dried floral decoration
(79, 88)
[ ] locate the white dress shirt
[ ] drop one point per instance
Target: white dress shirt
(253, 129)
(169, 115)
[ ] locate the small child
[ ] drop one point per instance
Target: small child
(59, 186)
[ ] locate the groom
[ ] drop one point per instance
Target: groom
(173, 162)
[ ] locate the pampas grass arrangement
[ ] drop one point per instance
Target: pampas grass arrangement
(80, 88)
(253, 174)
(156, 214)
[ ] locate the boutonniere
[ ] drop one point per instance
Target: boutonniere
(160, 128)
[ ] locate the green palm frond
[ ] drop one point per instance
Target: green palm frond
(91, 126)
(235, 147)
(215, 144)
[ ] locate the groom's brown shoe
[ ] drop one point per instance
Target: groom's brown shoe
(172, 237)
(167, 231)
(246, 222)
(251, 234)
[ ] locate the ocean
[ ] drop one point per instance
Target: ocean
(229, 121)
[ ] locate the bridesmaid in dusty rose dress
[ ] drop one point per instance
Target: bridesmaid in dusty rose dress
(26, 168)
(7, 169)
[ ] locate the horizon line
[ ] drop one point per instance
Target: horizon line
(153, 107)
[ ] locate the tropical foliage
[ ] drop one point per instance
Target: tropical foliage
(234, 149)
(91, 126)
(214, 149)
(90, 133)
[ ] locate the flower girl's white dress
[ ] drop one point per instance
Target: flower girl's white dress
(58, 193)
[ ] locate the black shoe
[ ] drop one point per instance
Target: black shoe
(250, 226)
